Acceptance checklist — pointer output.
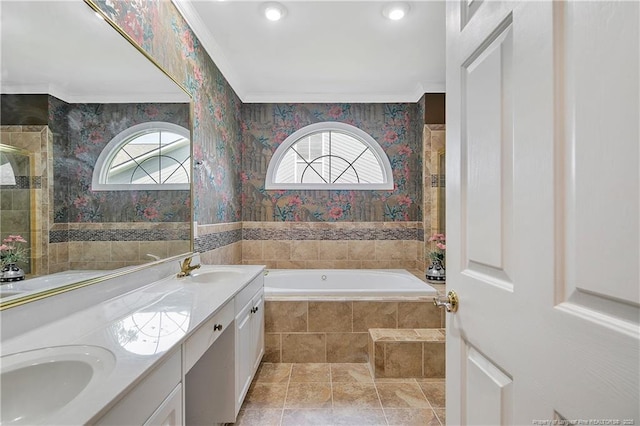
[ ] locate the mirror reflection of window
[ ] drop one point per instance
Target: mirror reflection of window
(145, 156)
(149, 333)
(7, 174)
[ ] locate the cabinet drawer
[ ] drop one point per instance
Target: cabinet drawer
(205, 335)
(141, 402)
(247, 293)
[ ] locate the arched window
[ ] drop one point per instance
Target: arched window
(154, 155)
(329, 155)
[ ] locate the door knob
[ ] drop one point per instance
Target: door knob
(450, 303)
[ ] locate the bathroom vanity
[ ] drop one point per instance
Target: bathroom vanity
(167, 352)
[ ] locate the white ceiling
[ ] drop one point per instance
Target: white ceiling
(323, 51)
(62, 48)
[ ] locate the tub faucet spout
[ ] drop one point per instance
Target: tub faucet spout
(186, 268)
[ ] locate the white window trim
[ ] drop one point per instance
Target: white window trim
(113, 147)
(327, 126)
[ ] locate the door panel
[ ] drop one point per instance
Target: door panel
(489, 391)
(487, 145)
(602, 230)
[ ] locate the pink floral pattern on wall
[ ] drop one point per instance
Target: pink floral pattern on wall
(161, 31)
(394, 126)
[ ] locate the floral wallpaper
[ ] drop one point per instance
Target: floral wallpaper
(159, 29)
(81, 131)
(393, 126)
(234, 142)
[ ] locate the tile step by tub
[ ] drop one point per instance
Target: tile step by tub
(407, 353)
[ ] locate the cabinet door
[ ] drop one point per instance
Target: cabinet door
(257, 326)
(243, 353)
(170, 412)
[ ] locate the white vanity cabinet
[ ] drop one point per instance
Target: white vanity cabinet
(156, 400)
(249, 345)
(217, 382)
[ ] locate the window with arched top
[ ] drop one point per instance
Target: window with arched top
(329, 155)
(153, 155)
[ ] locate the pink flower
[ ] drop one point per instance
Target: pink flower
(187, 41)
(152, 111)
(5, 247)
(14, 239)
(335, 213)
(390, 136)
(151, 213)
(295, 201)
(404, 150)
(95, 137)
(404, 200)
(335, 111)
(79, 150)
(218, 113)
(441, 246)
(80, 202)
(197, 74)
(279, 137)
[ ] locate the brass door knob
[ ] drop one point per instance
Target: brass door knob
(450, 303)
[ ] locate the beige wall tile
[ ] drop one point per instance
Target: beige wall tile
(290, 264)
(304, 347)
(361, 250)
(251, 250)
(127, 251)
(434, 359)
(347, 264)
(333, 250)
(418, 315)
(304, 250)
(368, 315)
(330, 316)
(156, 248)
(319, 264)
(276, 250)
(285, 316)
(347, 347)
(402, 359)
(389, 250)
(271, 347)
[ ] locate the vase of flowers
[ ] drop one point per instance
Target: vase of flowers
(436, 271)
(13, 251)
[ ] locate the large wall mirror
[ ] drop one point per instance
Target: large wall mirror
(72, 85)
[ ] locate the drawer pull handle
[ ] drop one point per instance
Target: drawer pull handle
(217, 327)
(254, 309)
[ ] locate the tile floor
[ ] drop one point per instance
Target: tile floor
(339, 394)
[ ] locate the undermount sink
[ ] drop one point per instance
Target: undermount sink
(208, 274)
(34, 385)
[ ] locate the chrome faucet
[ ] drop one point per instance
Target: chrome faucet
(186, 268)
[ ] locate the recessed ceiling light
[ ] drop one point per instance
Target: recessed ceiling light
(274, 11)
(396, 11)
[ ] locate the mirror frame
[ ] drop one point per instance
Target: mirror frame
(38, 295)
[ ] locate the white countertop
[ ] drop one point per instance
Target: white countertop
(140, 328)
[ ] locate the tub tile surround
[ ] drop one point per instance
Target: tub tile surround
(417, 353)
(339, 245)
(337, 331)
(339, 394)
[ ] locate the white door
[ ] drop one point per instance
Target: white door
(543, 220)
